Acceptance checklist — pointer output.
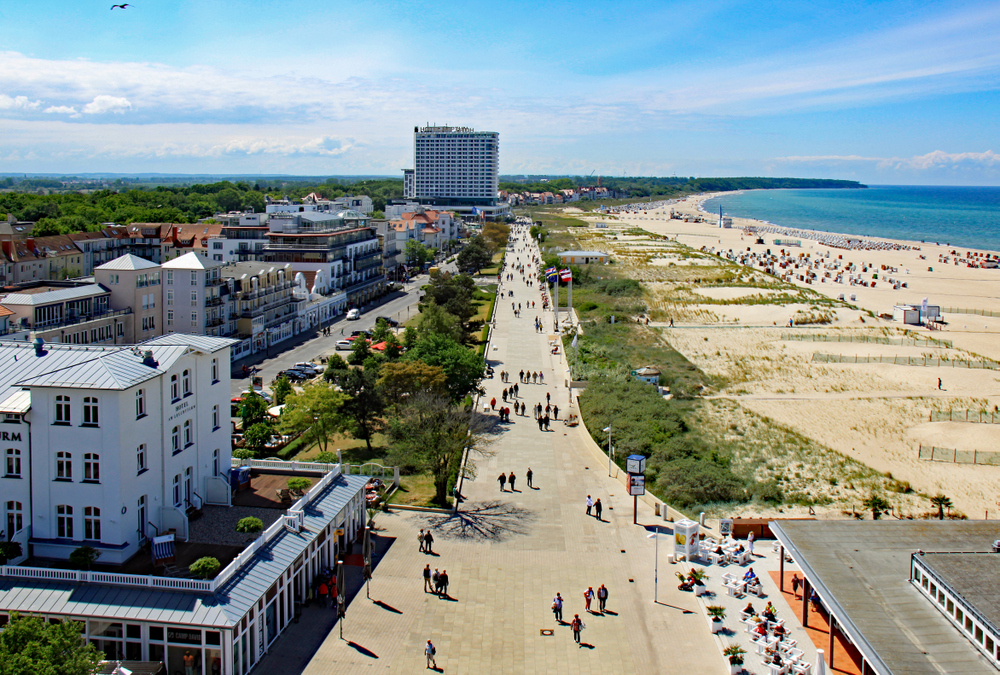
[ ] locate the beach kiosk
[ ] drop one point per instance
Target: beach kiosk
(648, 374)
(685, 539)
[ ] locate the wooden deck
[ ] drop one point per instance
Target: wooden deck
(263, 486)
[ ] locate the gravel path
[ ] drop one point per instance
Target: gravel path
(218, 524)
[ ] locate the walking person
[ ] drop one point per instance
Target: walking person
(435, 581)
(521, 375)
(541, 377)
(528, 476)
(541, 424)
(557, 607)
(590, 504)
(510, 479)
(548, 397)
(522, 409)
(602, 598)
(588, 597)
(750, 538)
(430, 652)
(545, 421)
(502, 479)
(443, 579)
(555, 412)
(420, 538)
(516, 389)
(577, 626)
(493, 403)
(599, 508)
(427, 577)
(428, 540)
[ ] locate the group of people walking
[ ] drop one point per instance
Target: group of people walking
(577, 624)
(511, 479)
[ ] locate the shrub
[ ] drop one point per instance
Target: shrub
(9, 550)
(84, 557)
(299, 484)
(205, 568)
(250, 525)
(769, 492)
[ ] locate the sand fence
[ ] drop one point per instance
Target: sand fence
(966, 415)
(984, 364)
(870, 339)
(933, 453)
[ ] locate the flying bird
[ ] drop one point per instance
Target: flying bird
(125, 6)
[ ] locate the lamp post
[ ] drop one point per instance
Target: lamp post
(656, 564)
(610, 449)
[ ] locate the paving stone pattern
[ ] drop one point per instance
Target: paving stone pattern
(508, 553)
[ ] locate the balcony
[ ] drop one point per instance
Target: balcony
(213, 302)
(257, 311)
(212, 323)
(73, 320)
(217, 281)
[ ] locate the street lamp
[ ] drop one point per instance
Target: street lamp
(656, 564)
(611, 450)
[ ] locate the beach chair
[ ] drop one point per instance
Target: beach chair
(777, 670)
(802, 668)
(284, 496)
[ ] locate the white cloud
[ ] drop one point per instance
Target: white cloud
(18, 103)
(60, 110)
(107, 104)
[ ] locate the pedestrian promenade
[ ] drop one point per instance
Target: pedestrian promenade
(508, 553)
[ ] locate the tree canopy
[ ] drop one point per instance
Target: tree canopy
(30, 645)
(463, 368)
(317, 411)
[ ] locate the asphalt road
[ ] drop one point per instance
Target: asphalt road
(310, 346)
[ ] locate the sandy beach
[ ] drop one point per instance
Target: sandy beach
(878, 413)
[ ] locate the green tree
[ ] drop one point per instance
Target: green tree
(30, 645)
(317, 411)
(229, 200)
(496, 233)
(435, 320)
(84, 557)
(463, 368)
(299, 484)
(254, 200)
(416, 253)
(256, 437)
(454, 294)
(877, 504)
(393, 349)
(942, 503)
(401, 380)
(360, 350)
(365, 405)
(381, 331)
(476, 255)
(409, 337)
(430, 433)
(253, 409)
(336, 367)
(205, 568)
(281, 390)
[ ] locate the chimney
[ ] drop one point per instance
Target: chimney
(39, 346)
(30, 243)
(148, 360)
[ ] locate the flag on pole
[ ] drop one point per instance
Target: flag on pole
(551, 275)
(565, 274)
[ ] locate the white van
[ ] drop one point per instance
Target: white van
(353, 314)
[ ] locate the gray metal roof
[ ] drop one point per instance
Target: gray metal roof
(584, 253)
(57, 295)
(18, 402)
(118, 370)
(18, 361)
(127, 262)
(224, 608)
(861, 572)
(204, 343)
(973, 576)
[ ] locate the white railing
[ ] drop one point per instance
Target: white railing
(282, 465)
(46, 574)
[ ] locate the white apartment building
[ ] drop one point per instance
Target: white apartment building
(242, 238)
(106, 446)
(192, 299)
(456, 165)
(135, 283)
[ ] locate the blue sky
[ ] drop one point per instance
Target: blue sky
(883, 92)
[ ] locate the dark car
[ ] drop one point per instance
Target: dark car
(293, 375)
(391, 322)
(356, 333)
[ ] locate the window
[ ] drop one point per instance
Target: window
(140, 458)
(121, 330)
(13, 456)
(215, 370)
(194, 298)
(170, 278)
(15, 517)
(175, 392)
(194, 318)
(177, 490)
(64, 466)
(194, 278)
(64, 521)
(140, 403)
(92, 467)
(175, 439)
(215, 417)
(90, 411)
(141, 517)
(170, 317)
(187, 483)
(187, 433)
(62, 410)
(170, 297)
(215, 462)
(91, 523)
(186, 382)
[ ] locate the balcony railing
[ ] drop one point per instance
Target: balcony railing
(212, 323)
(217, 281)
(213, 302)
(75, 320)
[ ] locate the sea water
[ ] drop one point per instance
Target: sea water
(959, 216)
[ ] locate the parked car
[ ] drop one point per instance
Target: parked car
(294, 375)
(259, 392)
(308, 367)
(343, 345)
(356, 333)
(353, 314)
(391, 322)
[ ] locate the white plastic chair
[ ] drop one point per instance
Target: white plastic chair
(802, 668)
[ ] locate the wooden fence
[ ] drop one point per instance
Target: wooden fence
(933, 453)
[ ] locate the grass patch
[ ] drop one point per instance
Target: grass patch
(415, 490)
(353, 451)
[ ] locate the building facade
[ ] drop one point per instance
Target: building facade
(194, 297)
(135, 283)
(261, 302)
(67, 312)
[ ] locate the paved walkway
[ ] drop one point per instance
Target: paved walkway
(508, 553)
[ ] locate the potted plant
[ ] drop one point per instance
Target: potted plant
(735, 655)
(9, 550)
(250, 525)
(205, 568)
(298, 485)
(698, 577)
(84, 557)
(718, 613)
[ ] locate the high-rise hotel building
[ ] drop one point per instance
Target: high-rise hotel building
(455, 168)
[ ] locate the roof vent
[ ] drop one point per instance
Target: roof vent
(148, 360)
(39, 346)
